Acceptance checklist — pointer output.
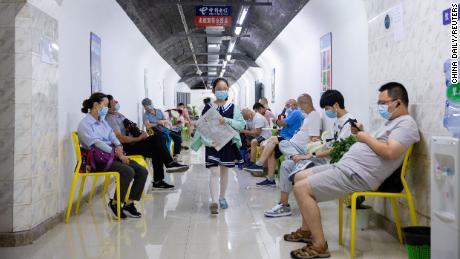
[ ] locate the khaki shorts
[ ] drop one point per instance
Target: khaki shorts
(329, 183)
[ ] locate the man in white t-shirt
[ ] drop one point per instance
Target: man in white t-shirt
(309, 130)
(257, 129)
(333, 103)
(363, 168)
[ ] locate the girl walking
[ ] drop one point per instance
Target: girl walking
(218, 162)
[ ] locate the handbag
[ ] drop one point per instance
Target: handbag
(132, 128)
(99, 160)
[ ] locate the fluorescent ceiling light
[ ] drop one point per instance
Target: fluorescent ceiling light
(213, 45)
(231, 46)
(212, 72)
(243, 14)
(238, 30)
(229, 57)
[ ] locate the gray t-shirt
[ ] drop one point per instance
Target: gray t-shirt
(116, 122)
(363, 161)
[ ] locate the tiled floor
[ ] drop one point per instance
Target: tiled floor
(178, 225)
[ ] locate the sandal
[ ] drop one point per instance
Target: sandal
(309, 251)
(299, 235)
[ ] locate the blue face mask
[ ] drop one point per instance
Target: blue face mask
(383, 111)
(117, 107)
(221, 95)
(288, 110)
(102, 112)
(152, 107)
(331, 114)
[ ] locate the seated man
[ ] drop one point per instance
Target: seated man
(267, 113)
(270, 149)
(363, 168)
(154, 119)
(153, 147)
(333, 103)
(255, 123)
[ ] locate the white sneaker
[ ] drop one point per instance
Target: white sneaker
(279, 210)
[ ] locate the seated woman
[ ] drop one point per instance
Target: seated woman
(154, 119)
(94, 131)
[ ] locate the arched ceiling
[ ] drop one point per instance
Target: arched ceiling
(160, 22)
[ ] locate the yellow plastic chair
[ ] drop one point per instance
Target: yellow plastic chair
(138, 158)
(405, 194)
(83, 176)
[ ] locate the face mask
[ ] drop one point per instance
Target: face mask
(102, 112)
(331, 114)
(383, 110)
(117, 107)
(221, 95)
(288, 110)
(152, 107)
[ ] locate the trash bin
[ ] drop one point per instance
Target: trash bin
(417, 240)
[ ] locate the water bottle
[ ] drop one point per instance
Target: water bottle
(452, 118)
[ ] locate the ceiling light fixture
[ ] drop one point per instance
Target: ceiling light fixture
(229, 57)
(244, 12)
(238, 30)
(212, 73)
(213, 45)
(231, 46)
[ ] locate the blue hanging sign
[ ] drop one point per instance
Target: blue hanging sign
(204, 10)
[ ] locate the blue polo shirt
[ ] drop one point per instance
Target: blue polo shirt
(293, 122)
(154, 118)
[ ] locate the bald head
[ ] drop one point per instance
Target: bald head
(247, 113)
(291, 103)
(305, 103)
(264, 101)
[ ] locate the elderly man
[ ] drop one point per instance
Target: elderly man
(271, 150)
(255, 130)
(363, 168)
(153, 147)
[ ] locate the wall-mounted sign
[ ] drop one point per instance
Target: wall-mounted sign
(213, 16)
(326, 61)
(95, 66)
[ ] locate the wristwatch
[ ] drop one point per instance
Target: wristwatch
(313, 154)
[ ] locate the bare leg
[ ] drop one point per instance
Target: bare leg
(284, 198)
(310, 211)
(268, 150)
(254, 145)
(271, 166)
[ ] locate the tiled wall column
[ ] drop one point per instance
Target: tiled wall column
(28, 116)
(8, 11)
